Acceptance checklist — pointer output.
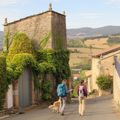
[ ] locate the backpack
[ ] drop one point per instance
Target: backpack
(81, 91)
(61, 90)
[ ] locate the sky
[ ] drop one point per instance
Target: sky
(79, 13)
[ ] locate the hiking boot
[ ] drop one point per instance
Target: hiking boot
(62, 114)
(81, 114)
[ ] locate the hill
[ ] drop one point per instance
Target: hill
(92, 32)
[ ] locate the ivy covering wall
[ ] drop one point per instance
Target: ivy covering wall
(22, 54)
(57, 61)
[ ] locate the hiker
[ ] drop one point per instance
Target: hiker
(62, 92)
(82, 93)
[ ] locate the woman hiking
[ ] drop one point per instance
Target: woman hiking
(82, 93)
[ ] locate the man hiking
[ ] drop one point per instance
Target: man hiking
(62, 92)
(82, 93)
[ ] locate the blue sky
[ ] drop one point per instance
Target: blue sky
(80, 13)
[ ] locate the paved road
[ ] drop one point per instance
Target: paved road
(97, 109)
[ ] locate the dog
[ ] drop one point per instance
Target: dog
(55, 107)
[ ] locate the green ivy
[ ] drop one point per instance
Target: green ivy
(58, 62)
(19, 62)
(21, 54)
(20, 44)
(9, 74)
(46, 88)
(3, 82)
(46, 67)
(55, 62)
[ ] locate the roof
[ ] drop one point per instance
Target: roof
(107, 51)
(32, 16)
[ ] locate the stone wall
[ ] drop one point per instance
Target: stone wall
(95, 72)
(116, 84)
(59, 31)
(38, 26)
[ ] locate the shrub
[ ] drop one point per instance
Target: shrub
(3, 82)
(20, 44)
(104, 82)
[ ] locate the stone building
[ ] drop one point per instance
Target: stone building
(38, 26)
(50, 23)
(102, 63)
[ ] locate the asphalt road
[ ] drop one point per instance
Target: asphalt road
(96, 109)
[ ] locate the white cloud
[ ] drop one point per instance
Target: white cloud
(90, 15)
(10, 15)
(8, 2)
(113, 1)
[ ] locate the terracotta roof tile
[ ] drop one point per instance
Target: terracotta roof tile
(107, 51)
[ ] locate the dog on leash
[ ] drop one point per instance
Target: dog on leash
(55, 107)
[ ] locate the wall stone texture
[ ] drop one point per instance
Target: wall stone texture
(38, 26)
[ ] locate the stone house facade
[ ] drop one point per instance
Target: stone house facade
(102, 63)
(38, 26)
(22, 93)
